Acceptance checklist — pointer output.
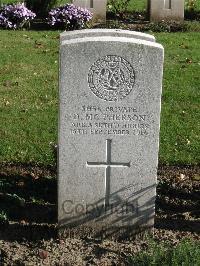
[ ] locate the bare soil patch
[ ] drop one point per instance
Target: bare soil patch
(29, 237)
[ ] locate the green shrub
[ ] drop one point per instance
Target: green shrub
(187, 253)
(41, 7)
(191, 10)
(118, 7)
(164, 26)
(191, 5)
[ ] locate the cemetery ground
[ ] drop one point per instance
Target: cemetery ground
(28, 212)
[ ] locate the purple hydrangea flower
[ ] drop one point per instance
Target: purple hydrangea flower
(69, 16)
(15, 16)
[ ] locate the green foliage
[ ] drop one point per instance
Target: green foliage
(41, 7)
(192, 11)
(118, 7)
(187, 253)
(191, 5)
(193, 26)
(164, 26)
(3, 218)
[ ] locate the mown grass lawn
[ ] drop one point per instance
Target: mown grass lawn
(179, 138)
(29, 97)
(28, 89)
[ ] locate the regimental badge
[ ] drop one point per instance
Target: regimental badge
(111, 78)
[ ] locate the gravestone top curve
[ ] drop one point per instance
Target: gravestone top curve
(110, 39)
(105, 32)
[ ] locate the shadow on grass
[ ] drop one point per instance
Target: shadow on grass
(178, 199)
(28, 197)
(177, 224)
(27, 194)
(31, 232)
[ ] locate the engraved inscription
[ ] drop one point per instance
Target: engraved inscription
(109, 120)
(111, 78)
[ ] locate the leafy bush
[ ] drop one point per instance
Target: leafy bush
(165, 26)
(118, 7)
(186, 253)
(191, 11)
(191, 5)
(15, 16)
(69, 16)
(41, 7)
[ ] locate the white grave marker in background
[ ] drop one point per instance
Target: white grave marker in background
(97, 7)
(166, 10)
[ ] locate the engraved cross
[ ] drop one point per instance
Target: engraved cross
(168, 4)
(91, 4)
(108, 165)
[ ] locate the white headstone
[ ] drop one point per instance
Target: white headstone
(110, 99)
(97, 7)
(166, 10)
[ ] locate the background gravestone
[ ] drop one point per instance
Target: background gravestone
(97, 7)
(110, 98)
(166, 10)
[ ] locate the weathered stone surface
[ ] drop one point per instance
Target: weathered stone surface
(110, 99)
(166, 10)
(68, 35)
(97, 7)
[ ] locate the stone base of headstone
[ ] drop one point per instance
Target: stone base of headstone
(81, 232)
